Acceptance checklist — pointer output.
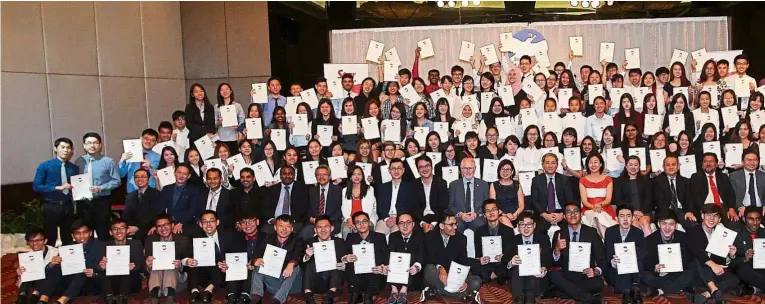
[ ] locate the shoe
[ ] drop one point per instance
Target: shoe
(473, 297)
(309, 299)
(393, 298)
(597, 299)
(637, 297)
(718, 297)
(355, 298)
(548, 294)
(21, 299)
(427, 294)
(153, 300)
(402, 299)
(329, 300)
(519, 300)
(747, 290)
(370, 299)
(231, 298)
(275, 301)
(195, 297)
(109, 299)
(243, 298)
(627, 298)
(206, 297)
(123, 299)
(649, 292)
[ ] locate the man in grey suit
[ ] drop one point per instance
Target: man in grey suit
(324, 199)
(466, 196)
(748, 183)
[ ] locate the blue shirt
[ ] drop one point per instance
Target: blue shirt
(128, 169)
(105, 173)
(268, 108)
(337, 104)
(48, 177)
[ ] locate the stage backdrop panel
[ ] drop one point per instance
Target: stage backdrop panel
(656, 39)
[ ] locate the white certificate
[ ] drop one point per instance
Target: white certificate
(573, 157)
(680, 90)
(426, 48)
(371, 128)
(700, 56)
(507, 95)
(411, 161)
(273, 260)
(34, 266)
(365, 258)
(392, 56)
(442, 128)
(490, 52)
(492, 247)
(464, 127)
(408, 92)
(529, 117)
(576, 121)
(594, 90)
(325, 135)
(652, 124)
(671, 257)
(563, 96)
(164, 255)
(263, 172)
(640, 153)
(757, 119)
(214, 163)
(741, 87)
(730, 116)
(579, 256)
(204, 251)
(628, 262)
(612, 161)
(324, 256)
(676, 124)
(259, 93)
(337, 167)
(374, 51)
(678, 56)
(118, 260)
(437, 94)
(467, 49)
(309, 97)
(205, 147)
(657, 159)
(300, 122)
(687, 165)
(385, 174)
(633, 58)
(81, 187)
(490, 170)
(72, 259)
(551, 122)
(392, 130)
(525, 179)
(237, 162)
(166, 176)
(531, 263)
(607, 51)
(450, 174)
(279, 137)
(399, 267)
(616, 96)
(420, 135)
(506, 42)
(761, 149)
(733, 154)
(237, 266)
(435, 157)
(291, 106)
(576, 45)
(254, 128)
(228, 113)
(712, 89)
(719, 241)
(456, 277)
(309, 168)
(486, 98)
(532, 89)
(758, 260)
(504, 127)
(712, 146)
(135, 147)
(390, 71)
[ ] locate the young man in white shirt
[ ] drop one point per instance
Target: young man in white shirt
(741, 63)
(180, 133)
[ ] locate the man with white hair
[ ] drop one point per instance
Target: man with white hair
(466, 196)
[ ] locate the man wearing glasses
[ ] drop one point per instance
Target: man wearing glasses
(526, 289)
(411, 241)
(329, 281)
(104, 177)
(246, 240)
(324, 199)
(141, 207)
(371, 283)
(182, 202)
(392, 197)
(208, 278)
(431, 195)
(489, 267)
(117, 288)
(41, 289)
(625, 232)
(466, 196)
(280, 287)
(165, 281)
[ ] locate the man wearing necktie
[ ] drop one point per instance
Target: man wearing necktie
(52, 181)
(218, 198)
(203, 280)
(457, 73)
(411, 241)
(182, 202)
(712, 186)
(104, 177)
(748, 184)
(466, 196)
(323, 199)
(286, 198)
(526, 289)
(549, 192)
(489, 266)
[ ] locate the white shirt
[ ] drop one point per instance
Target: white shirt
(212, 199)
(747, 198)
(472, 191)
(710, 199)
(393, 198)
(594, 125)
(426, 187)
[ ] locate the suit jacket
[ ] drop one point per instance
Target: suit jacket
(697, 240)
(613, 236)
(587, 234)
(744, 242)
(508, 240)
(384, 197)
(645, 196)
(293, 245)
(381, 247)
(563, 191)
(738, 181)
(457, 202)
(333, 202)
(455, 250)
(183, 247)
(197, 125)
(224, 209)
(298, 199)
(652, 243)
(545, 249)
(136, 254)
(439, 199)
(340, 249)
(247, 201)
(142, 213)
(186, 210)
(415, 246)
(700, 186)
(662, 195)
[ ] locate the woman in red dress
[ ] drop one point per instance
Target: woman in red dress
(596, 190)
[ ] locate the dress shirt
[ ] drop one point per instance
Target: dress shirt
(128, 169)
(426, 187)
(747, 198)
(105, 173)
(578, 231)
(673, 181)
(710, 198)
(212, 199)
(185, 261)
(326, 195)
(280, 203)
(594, 123)
(527, 241)
(268, 108)
(465, 182)
(48, 177)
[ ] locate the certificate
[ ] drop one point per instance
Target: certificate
(467, 49)
(205, 147)
(426, 48)
(712, 146)
(135, 147)
(504, 127)
(324, 256)
(214, 163)
(490, 170)
(259, 93)
(300, 122)
(525, 179)
(531, 263)
(309, 97)
(719, 241)
(640, 153)
(657, 159)
(563, 96)
(607, 51)
(166, 176)
(337, 167)
(237, 266)
(392, 130)
(730, 116)
(529, 117)
(506, 42)
(204, 251)
(733, 154)
(628, 262)
(676, 124)
(385, 174)
(758, 260)
(228, 114)
(350, 125)
(374, 51)
(254, 128)
(412, 162)
(576, 121)
(633, 58)
(450, 174)
(612, 160)
(81, 187)
(435, 157)
(309, 168)
(371, 128)
(72, 259)
(700, 56)
(652, 124)
(263, 172)
(678, 56)
(279, 137)
(273, 260)
(576, 45)
(594, 90)
(671, 257)
(291, 106)
(456, 277)
(578, 256)
(442, 128)
(551, 122)
(687, 165)
(616, 96)
(390, 71)
(464, 127)
(365, 258)
(472, 99)
(757, 119)
(638, 95)
(761, 149)
(164, 255)
(34, 266)
(506, 94)
(532, 89)
(712, 89)
(741, 87)
(573, 157)
(408, 92)
(420, 135)
(118, 260)
(399, 267)
(680, 90)
(392, 56)
(335, 87)
(492, 247)
(490, 52)
(237, 162)
(325, 135)
(437, 94)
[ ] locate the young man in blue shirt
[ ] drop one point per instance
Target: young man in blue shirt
(105, 177)
(150, 160)
(52, 181)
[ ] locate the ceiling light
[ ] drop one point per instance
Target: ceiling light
(451, 4)
(465, 3)
(574, 3)
(595, 4)
(585, 4)
(610, 2)
(476, 2)
(440, 3)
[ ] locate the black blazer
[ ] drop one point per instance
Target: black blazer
(186, 210)
(225, 207)
(136, 254)
(333, 200)
(376, 238)
(247, 201)
(662, 195)
(690, 123)
(652, 243)
(545, 249)
(613, 236)
(294, 246)
(198, 126)
(587, 234)
(539, 192)
(508, 240)
(697, 240)
(239, 243)
(744, 242)
(455, 250)
(384, 197)
(645, 196)
(183, 247)
(298, 199)
(439, 199)
(141, 214)
(415, 246)
(700, 185)
(484, 153)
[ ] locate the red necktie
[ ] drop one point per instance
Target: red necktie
(253, 237)
(715, 193)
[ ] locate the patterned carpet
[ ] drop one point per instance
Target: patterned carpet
(491, 293)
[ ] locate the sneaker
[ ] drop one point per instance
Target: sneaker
(427, 294)
(231, 298)
(393, 298)
(244, 298)
(402, 299)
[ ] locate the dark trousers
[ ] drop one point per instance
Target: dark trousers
(543, 226)
(79, 284)
(671, 283)
(58, 216)
(114, 285)
(201, 277)
(621, 282)
(751, 276)
(576, 285)
(322, 282)
(724, 282)
(44, 287)
(97, 212)
(237, 287)
(485, 271)
(432, 280)
(529, 287)
(366, 282)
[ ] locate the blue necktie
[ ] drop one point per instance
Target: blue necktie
(64, 178)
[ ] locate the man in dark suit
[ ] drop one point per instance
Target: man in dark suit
(586, 285)
(246, 240)
(624, 232)
(466, 195)
(526, 289)
(490, 267)
(325, 199)
(444, 246)
(207, 278)
(160, 280)
(245, 198)
(141, 206)
(392, 197)
(218, 199)
(430, 194)
(744, 269)
(371, 283)
(284, 238)
(712, 186)
(748, 184)
(411, 241)
(287, 197)
(117, 288)
(657, 281)
(182, 202)
(672, 193)
(329, 281)
(549, 192)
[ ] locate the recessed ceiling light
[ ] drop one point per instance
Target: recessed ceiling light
(465, 3)
(585, 4)
(440, 3)
(574, 3)
(452, 4)
(476, 2)
(595, 4)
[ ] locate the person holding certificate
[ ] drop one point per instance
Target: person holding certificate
(753, 279)
(655, 276)
(52, 181)
(150, 159)
(492, 242)
(748, 184)
(247, 240)
(712, 186)
(319, 255)
(287, 197)
(42, 289)
(326, 116)
(364, 280)
(634, 189)
(279, 287)
(105, 177)
(83, 283)
(165, 281)
(207, 277)
(409, 241)
(392, 197)
(624, 232)
(581, 285)
(141, 206)
(527, 288)
(116, 288)
(200, 114)
(712, 270)
(599, 120)
(444, 246)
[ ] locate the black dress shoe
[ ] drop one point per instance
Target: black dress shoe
(309, 299)
(110, 299)
(649, 292)
(33, 299)
(369, 299)
(244, 298)
(519, 299)
(597, 299)
(637, 297)
(627, 298)
(501, 280)
(206, 297)
(355, 298)
(231, 298)
(195, 297)
(122, 299)
(718, 297)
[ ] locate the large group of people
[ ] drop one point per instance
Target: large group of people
(501, 160)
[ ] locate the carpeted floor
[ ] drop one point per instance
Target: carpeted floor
(491, 293)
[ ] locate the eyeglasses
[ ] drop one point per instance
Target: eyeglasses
(572, 212)
(361, 222)
(525, 225)
(248, 222)
(406, 223)
(120, 228)
(36, 240)
(165, 225)
(451, 224)
(90, 143)
(208, 222)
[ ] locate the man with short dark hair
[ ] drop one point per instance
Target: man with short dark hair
(218, 198)
(624, 232)
(457, 73)
(712, 186)
(329, 281)
(142, 206)
(180, 132)
(411, 241)
(40, 289)
(150, 159)
(165, 281)
(287, 197)
(182, 202)
(525, 65)
(748, 184)
(275, 99)
(754, 279)
(433, 78)
(52, 181)
(165, 132)
(279, 287)
(207, 278)
(88, 282)
(246, 198)
(117, 288)
(104, 177)
(246, 240)
(526, 289)
(657, 281)
(489, 267)
(711, 269)
(371, 283)
(431, 195)
(392, 197)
